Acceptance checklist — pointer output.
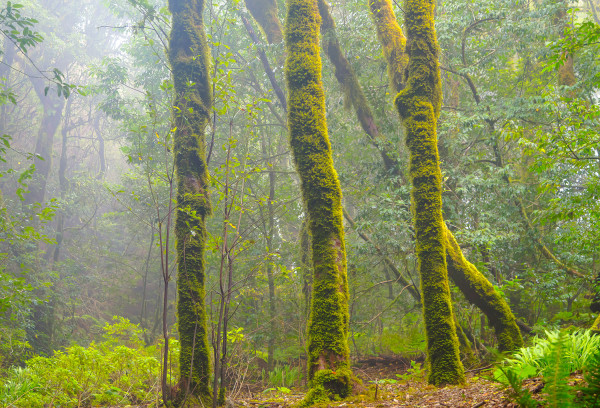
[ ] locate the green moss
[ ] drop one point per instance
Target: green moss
(321, 192)
(189, 59)
(265, 13)
(393, 41)
(418, 105)
(328, 385)
(479, 291)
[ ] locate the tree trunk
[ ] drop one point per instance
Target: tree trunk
(51, 117)
(328, 354)
(419, 105)
(189, 58)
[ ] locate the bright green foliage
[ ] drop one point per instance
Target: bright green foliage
(419, 105)
(555, 358)
(321, 192)
(576, 348)
(189, 59)
(557, 373)
(591, 392)
(116, 371)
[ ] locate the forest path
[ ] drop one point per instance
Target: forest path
(411, 392)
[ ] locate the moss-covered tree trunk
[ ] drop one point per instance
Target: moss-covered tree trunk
(419, 105)
(189, 59)
(328, 354)
(265, 14)
(476, 288)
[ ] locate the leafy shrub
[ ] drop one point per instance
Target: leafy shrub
(116, 371)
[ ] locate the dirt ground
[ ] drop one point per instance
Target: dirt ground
(412, 392)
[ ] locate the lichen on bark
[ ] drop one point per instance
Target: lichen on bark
(189, 58)
(418, 105)
(328, 353)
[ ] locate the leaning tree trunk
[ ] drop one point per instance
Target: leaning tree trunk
(328, 354)
(189, 59)
(265, 13)
(419, 105)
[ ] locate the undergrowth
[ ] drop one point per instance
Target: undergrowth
(555, 358)
(116, 371)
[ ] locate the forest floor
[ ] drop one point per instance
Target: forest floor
(411, 392)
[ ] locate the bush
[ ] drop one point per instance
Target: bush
(116, 371)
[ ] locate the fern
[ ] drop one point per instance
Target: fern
(508, 376)
(557, 372)
(591, 392)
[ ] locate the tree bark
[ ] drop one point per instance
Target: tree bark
(265, 13)
(189, 58)
(419, 105)
(328, 353)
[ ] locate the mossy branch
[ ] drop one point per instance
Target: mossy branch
(266, 14)
(480, 292)
(392, 40)
(353, 92)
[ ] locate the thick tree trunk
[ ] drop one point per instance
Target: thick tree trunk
(328, 354)
(419, 105)
(189, 59)
(393, 42)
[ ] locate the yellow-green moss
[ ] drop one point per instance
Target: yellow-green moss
(596, 326)
(189, 59)
(392, 40)
(418, 105)
(479, 291)
(328, 385)
(265, 13)
(321, 192)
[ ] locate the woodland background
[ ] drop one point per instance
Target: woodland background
(87, 181)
